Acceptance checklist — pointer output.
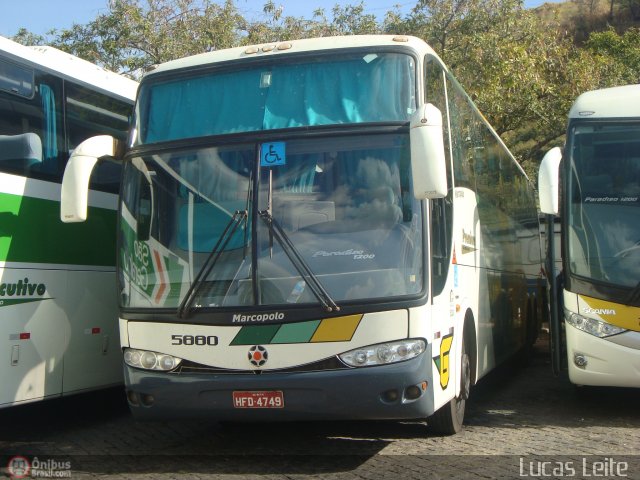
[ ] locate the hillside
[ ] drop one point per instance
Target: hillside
(581, 17)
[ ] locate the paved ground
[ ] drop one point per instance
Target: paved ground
(521, 422)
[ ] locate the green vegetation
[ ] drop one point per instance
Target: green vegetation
(523, 67)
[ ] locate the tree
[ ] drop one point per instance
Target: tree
(505, 60)
(25, 37)
(346, 20)
(521, 71)
(132, 36)
(618, 54)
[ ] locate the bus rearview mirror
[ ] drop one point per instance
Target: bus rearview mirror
(548, 181)
(74, 197)
(428, 160)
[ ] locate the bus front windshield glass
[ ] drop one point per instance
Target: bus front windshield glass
(344, 204)
(604, 203)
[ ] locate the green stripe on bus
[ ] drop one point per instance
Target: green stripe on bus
(296, 332)
(31, 232)
(9, 302)
(254, 335)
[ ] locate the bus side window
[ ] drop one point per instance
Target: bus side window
(89, 113)
(440, 240)
(30, 121)
(16, 79)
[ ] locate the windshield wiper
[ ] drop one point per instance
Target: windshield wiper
(276, 231)
(239, 217)
(236, 220)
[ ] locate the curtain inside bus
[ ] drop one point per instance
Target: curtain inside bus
(49, 129)
(369, 88)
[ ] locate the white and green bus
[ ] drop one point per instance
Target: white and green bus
(321, 228)
(58, 312)
(595, 188)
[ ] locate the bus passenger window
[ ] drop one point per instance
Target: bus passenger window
(30, 124)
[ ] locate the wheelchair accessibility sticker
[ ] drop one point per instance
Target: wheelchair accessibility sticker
(272, 154)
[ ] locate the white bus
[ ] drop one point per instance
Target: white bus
(58, 312)
(322, 228)
(599, 173)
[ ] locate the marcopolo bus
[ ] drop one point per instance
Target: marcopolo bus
(322, 228)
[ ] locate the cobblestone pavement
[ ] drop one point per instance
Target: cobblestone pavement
(520, 422)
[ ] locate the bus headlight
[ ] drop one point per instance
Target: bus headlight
(592, 326)
(384, 353)
(150, 360)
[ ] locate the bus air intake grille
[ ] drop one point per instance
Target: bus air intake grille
(332, 363)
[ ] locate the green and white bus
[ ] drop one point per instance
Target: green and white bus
(58, 311)
(595, 188)
(314, 229)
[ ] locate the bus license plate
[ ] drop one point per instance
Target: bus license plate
(260, 399)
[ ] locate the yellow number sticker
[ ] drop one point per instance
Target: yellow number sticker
(445, 348)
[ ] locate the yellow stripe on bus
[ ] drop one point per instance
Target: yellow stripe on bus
(337, 329)
(614, 313)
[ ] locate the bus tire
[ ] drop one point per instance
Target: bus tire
(449, 418)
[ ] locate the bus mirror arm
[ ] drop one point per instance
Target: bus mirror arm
(74, 197)
(548, 181)
(549, 193)
(428, 159)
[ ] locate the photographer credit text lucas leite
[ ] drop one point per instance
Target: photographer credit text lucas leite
(586, 467)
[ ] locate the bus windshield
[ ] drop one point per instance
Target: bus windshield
(604, 202)
(343, 202)
(310, 91)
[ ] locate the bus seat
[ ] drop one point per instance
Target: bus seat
(20, 152)
(296, 213)
(376, 205)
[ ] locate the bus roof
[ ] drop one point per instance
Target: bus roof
(616, 102)
(294, 46)
(70, 67)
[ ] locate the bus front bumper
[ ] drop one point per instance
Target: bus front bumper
(379, 392)
(612, 361)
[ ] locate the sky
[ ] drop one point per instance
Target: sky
(41, 16)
